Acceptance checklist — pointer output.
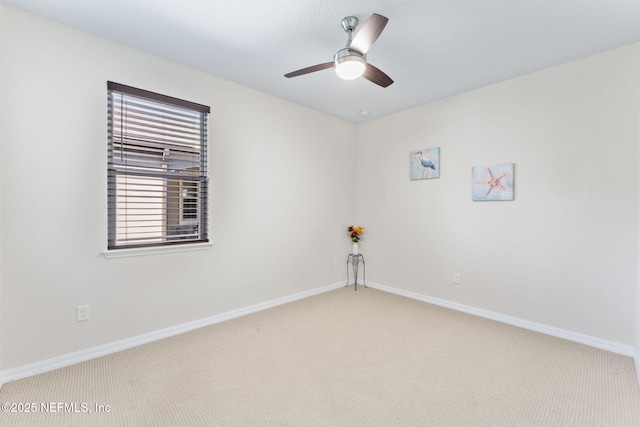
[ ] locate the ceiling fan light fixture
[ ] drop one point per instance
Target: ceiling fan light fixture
(349, 65)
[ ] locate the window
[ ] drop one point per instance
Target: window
(157, 169)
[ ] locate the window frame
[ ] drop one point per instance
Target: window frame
(168, 237)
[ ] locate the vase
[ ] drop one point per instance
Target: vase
(354, 248)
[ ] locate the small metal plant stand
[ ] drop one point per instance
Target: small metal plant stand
(355, 260)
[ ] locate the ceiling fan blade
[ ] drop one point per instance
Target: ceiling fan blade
(311, 69)
(368, 34)
(376, 76)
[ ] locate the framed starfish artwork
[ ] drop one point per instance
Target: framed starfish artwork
(424, 164)
(492, 182)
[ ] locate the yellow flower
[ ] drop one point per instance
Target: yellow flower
(355, 232)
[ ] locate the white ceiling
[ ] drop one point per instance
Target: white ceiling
(430, 48)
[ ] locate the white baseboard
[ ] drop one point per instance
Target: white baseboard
(602, 344)
(102, 350)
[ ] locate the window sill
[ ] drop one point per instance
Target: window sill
(125, 253)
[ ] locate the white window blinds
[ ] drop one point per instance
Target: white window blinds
(157, 169)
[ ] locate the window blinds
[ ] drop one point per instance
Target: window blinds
(157, 169)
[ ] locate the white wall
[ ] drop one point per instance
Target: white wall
(281, 197)
(637, 325)
(565, 252)
(2, 138)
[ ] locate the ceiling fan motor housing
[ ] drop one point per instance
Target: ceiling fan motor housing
(349, 65)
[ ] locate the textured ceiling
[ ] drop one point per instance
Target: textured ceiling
(430, 48)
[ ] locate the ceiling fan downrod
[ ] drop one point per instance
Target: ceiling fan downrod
(349, 24)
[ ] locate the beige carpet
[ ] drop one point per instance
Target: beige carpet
(343, 358)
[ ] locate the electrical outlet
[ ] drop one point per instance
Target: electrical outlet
(82, 313)
(456, 278)
(336, 264)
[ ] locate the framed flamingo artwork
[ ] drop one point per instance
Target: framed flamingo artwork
(492, 182)
(424, 164)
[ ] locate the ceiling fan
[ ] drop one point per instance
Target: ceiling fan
(351, 62)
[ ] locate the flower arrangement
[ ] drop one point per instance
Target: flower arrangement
(355, 233)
